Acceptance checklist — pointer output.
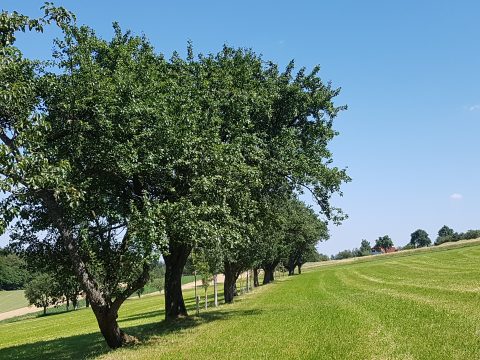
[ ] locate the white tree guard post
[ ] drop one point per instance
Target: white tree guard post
(215, 290)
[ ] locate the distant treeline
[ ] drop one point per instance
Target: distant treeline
(419, 238)
(448, 235)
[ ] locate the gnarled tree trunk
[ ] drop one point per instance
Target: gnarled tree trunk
(107, 322)
(174, 264)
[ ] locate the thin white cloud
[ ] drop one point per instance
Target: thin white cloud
(456, 196)
(474, 107)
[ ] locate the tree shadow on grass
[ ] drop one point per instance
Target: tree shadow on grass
(91, 345)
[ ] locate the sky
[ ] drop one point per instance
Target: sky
(409, 73)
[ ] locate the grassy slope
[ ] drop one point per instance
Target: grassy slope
(420, 306)
(11, 300)
(15, 299)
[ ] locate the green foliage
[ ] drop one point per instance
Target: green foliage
(445, 231)
(202, 267)
(13, 273)
(157, 276)
(112, 155)
(383, 242)
(409, 246)
(337, 302)
(315, 256)
(365, 248)
(344, 254)
(41, 291)
(450, 236)
(419, 238)
(10, 23)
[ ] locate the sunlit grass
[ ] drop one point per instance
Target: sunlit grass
(11, 300)
(421, 306)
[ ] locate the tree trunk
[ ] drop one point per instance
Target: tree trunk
(104, 309)
(269, 269)
(44, 310)
(87, 301)
(174, 264)
(256, 283)
(229, 288)
(215, 290)
(268, 276)
(269, 273)
(291, 267)
(299, 268)
(68, 303)
(107, 322)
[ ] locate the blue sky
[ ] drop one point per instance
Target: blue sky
(408, 71)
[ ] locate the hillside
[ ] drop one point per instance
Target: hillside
(11, 300)
(417, 305)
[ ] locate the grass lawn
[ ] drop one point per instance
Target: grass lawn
(424, 305)
(11, 300)
(189, 278)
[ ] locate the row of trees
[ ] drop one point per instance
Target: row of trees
(112, 155)
(382, 243)
(419, 238)
(446, 234)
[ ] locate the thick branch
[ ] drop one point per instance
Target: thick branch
(133, 286)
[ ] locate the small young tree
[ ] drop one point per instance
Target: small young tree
(202, 267)
(159, 284)
(42, 292)
(157, 276)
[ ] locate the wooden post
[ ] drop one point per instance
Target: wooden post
(215, 290)
(197, 302)
(247, 282)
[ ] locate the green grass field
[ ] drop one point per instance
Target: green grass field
(11, 300)
(15, 299)
(416, 305)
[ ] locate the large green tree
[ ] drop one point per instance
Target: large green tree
(419, 238)
(445, 231)
(292, 124)
(72, 160)
(383, 242)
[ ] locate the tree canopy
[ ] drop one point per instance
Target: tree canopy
(384, 242)
(112, 155)
(419, 238)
